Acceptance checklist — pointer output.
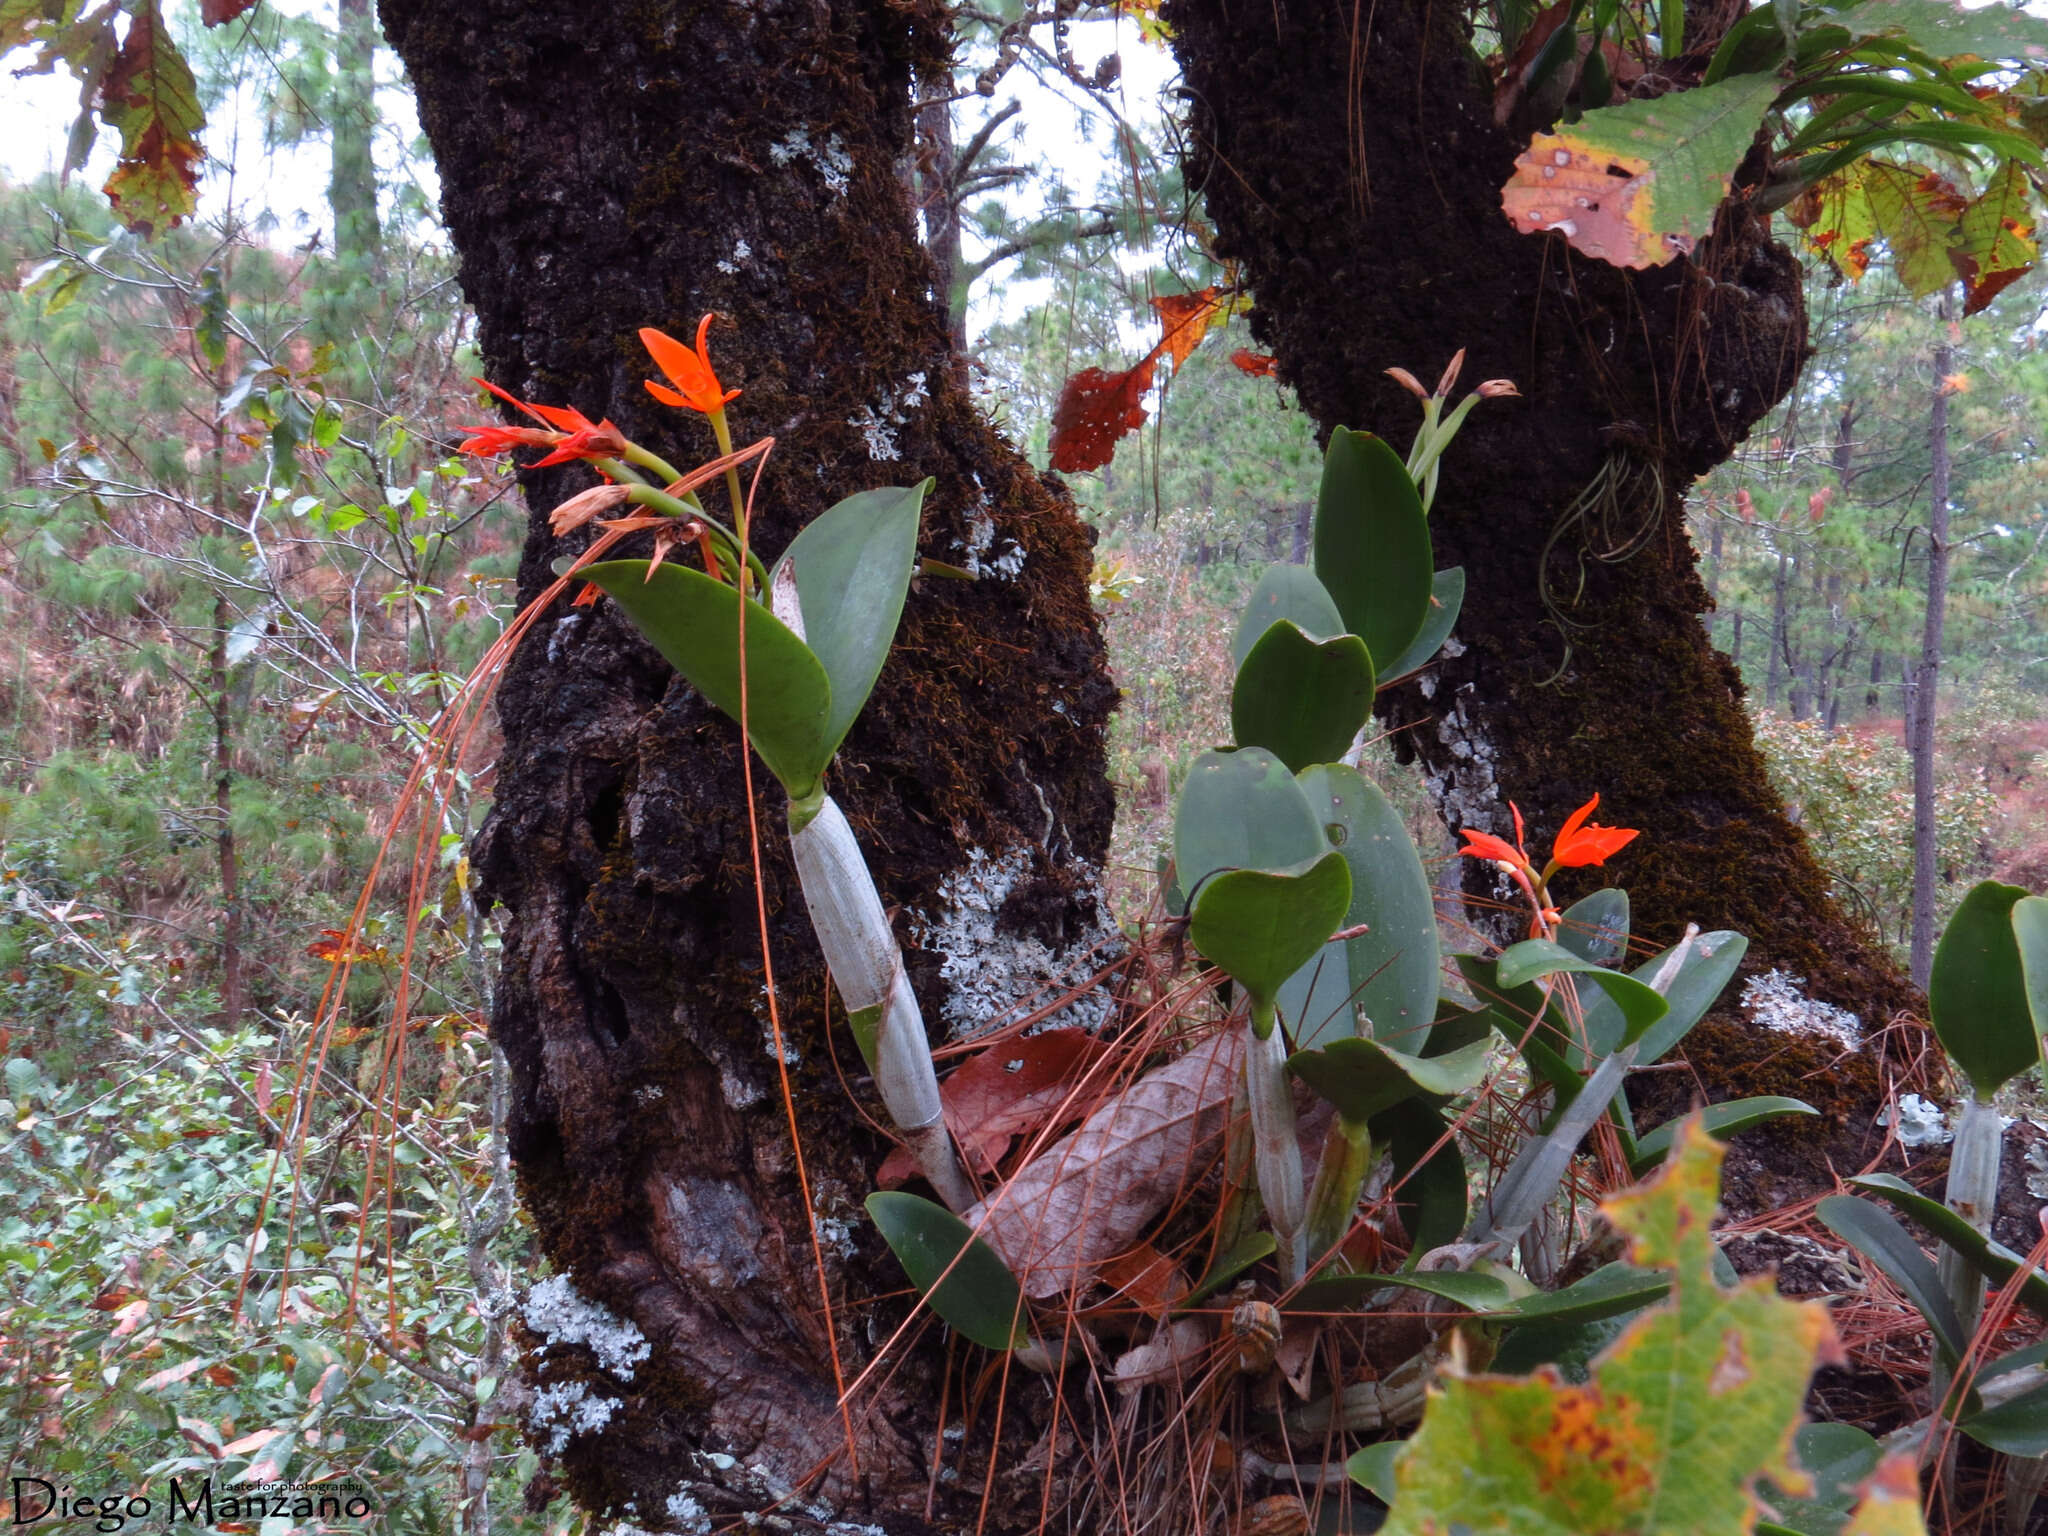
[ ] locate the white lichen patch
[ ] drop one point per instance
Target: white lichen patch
(688, 1515)
(568, 1409)
(560, 1316)
(1775, 1001)
(1921, 1122)
(994, 978)
(740, 252)
(878, 423)
(2037, 1168)
(834, 165)
(982, 557)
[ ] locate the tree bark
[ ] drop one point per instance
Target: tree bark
(1351, 165)
(610, 166)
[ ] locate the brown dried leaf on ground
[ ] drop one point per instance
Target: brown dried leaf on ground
(1174, 1355)
(1087, 1198)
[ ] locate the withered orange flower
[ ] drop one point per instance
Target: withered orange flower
(688, 368)
(569, 433)
(1580, 843)
(1484, 845)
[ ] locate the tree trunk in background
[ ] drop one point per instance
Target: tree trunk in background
(352, 169)
(606, 167)
(1774, 677)
(1350, 164)
(1927, 676)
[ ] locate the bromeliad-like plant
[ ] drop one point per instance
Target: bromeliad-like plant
(792, 654)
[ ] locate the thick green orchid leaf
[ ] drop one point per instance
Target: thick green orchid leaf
(1676, 1420)
(1362, 1077)
(958, 1274)
(1977, 992)
(1480, 1293)
(853, 564)
(1372, 544)
(1721, 1120)
(1388, 973)
(1708, 967)
(2030, 932)
(694, 622)
(1641, 1005)
(1429, 1179)
(1612, 1290)
(1876, 1234)
(1839, 1458)
(2017, 1426)
(1261, 926)
(1595, 927)
(1288, 592)
(1300, 698)
(1241, 810)
(1447, 598)
(1991, 1258)
(1373, 1468)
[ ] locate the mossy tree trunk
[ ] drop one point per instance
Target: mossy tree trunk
(1352, 166)
(607, 166)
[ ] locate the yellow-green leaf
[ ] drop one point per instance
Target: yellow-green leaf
(1916, 211)
(148, 95)
(1678, 1418)
(1638, 184)
(1995, 243)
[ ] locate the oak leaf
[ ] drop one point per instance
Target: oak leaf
(149, 97)
(1184, 319)
(1096, 409)
(1638, 184)
(1675, 1422)
(1085, 1199)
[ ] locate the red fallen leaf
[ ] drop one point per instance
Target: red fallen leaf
(221, 1375)
(1096, 409)
(1146, 1277)
(1013, 1087)
(1017, 1086)
(1260, 365)
(1184, 320)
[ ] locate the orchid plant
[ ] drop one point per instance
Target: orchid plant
(790, 653)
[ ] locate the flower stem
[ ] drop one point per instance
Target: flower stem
(723, 433)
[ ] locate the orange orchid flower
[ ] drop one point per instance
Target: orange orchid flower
(569, 433)
(688, 368)
(1580, 843)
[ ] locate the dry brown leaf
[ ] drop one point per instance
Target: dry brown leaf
(1087, 1197)
(1184, 320)
(1172, 1356)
